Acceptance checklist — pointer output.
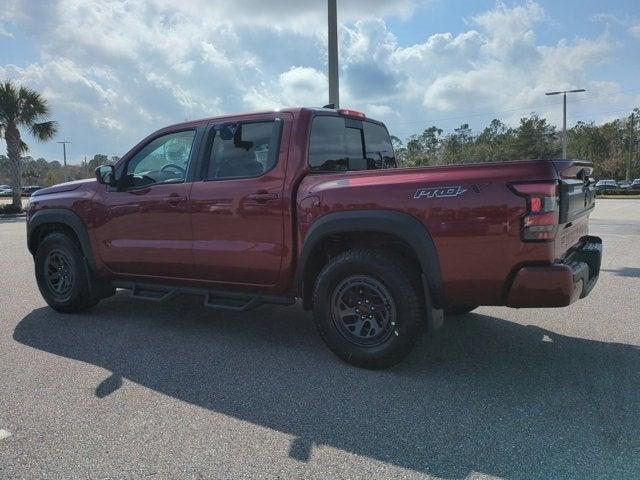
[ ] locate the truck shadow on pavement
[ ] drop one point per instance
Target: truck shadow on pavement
(624, 272)
(486, 395)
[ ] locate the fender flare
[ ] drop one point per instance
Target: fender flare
(399, 224)
(65, 217)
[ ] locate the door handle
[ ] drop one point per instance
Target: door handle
(175, 199)
(262, 196)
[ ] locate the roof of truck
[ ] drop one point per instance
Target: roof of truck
(293, 110)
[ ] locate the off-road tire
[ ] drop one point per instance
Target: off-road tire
(77, 297)
(399, 278)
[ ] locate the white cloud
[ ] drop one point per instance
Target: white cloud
(114, 71)
(303, 86)
(4, 32)
(509, 31)
(496, 65)
(628, 22)
(380, 110)
(80, 91)
(297, 86)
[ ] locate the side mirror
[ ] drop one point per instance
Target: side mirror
(106, 174)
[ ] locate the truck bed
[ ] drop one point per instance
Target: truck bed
(471, 212)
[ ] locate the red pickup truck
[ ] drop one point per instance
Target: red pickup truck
(309, 203)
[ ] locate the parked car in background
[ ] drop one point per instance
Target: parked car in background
(6, 192)
(624, 184)
(635, 185)
(5, 187)
(28, 190)
(606, 185)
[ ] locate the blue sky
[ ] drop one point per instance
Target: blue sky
(114, 71)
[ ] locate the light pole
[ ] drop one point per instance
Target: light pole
(564, 115)
(334, 87)
(632, 130)
(64, 155)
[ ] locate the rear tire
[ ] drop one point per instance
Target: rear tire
(62, 275)
(382, 329)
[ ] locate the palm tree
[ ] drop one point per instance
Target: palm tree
(22, 107)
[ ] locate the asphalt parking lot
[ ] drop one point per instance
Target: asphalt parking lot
(138, 390)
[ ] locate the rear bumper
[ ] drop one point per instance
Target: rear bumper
(561, 283)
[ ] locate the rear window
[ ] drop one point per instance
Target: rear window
(339, 144)
(379, 149)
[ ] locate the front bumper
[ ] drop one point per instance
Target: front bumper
(561, 283)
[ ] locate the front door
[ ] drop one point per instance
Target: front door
(238, 206)
(144, 226)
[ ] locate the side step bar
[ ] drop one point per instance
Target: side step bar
(221, 299)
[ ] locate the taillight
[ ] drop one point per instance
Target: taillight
(540, 223)
(351, 113)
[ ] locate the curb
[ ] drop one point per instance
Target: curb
(12, 215)
(618, 197)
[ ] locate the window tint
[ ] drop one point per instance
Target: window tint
(336, 145)
(164, 159)
(378, 144)
(333, 146)
(243, 150)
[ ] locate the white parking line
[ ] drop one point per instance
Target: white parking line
(4, 434)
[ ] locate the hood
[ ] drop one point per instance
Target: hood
(63, 187)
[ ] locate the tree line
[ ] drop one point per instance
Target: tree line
(611, 146)
(606, 145)
(39, 171)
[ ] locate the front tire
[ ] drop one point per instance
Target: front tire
(369, 307)
(62, 276)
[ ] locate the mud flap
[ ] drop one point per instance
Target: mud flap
(434, 316)
(97, 288)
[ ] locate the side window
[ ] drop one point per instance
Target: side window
(243, 150)
(164, 159)
(378, 145)
(335, 147)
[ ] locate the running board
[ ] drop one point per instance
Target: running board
(220, 299)
(153, 293)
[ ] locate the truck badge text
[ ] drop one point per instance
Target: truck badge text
(439, 192)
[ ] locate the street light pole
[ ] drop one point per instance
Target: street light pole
(64, 155)
(564, 115)
(632, 130)
(564, 125)
(334, 87)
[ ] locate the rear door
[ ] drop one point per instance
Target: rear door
(238, 205)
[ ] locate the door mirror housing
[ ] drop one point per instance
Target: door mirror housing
(106, 175)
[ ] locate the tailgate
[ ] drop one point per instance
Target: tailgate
(577, 198)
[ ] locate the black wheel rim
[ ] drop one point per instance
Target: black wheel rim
(363, 311)
(58, 274)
